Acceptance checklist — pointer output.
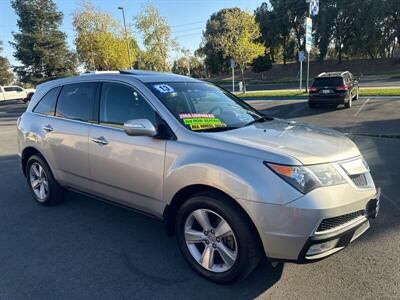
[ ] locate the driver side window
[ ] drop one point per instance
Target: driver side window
(120, 103)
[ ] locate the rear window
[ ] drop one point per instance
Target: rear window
(47, 104)
(328, 81)
(76, 101)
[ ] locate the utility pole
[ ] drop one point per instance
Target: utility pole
(308, 42)
(126, 36)
(232, 64)
(313, 9)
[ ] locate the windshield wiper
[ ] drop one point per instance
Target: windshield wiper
(216, 129)
(260, 120)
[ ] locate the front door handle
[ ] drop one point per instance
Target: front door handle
(48, 128)
(100, 140)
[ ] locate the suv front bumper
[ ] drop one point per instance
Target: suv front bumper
(291, 232)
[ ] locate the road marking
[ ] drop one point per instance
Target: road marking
(391, 201)
(361, 107)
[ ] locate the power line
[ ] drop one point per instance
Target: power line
(189, 29)
(180, 25)
(189, 34)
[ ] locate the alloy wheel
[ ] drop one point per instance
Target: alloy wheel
(39, 181)
(210, 240)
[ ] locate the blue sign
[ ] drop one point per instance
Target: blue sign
(301, 56)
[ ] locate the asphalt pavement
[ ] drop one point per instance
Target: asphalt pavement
(87, 249)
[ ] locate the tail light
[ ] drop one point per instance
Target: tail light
(342, 88)
(313, 89)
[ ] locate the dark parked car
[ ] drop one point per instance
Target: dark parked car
(333, 88)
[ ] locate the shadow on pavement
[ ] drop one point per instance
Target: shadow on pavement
(297, 109)
(85, 248)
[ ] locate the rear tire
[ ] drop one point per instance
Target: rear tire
(221, 258)
(349, 103)
(45, 190)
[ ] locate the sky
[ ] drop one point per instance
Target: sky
(187, 18)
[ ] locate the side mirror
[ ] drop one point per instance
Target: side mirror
(140, 127)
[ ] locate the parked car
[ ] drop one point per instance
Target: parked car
(14, 92)
(333, 88)
(233, 184)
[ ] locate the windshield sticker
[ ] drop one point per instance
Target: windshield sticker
(201, 121)
(189, 116)
(164, 88)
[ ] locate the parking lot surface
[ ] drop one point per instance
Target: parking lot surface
(87, 249)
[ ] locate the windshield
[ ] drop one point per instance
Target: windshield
(201, 106)
(328, 81)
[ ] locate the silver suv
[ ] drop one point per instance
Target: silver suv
(232, 184)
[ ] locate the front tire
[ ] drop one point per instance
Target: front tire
(216, 238)
(42, 184)
(349, 103)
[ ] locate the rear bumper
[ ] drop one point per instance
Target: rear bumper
(290, 232)
(335, 99)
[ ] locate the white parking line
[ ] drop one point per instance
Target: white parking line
(361, 107)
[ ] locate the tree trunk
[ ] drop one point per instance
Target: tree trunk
(284, 51)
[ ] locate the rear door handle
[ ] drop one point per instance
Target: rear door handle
(48, 128)
(100, 140)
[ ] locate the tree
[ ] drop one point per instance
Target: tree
(6, 76)
(239, 39)
(101, 42)
(188, 65)
(262, 64)
(214, 57)
(324, 26)
(267, 20)
(391, 24)
(40, 45)
(156, 38)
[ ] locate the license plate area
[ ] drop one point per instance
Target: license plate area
(325, 91)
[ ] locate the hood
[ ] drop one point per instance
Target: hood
(309, 144)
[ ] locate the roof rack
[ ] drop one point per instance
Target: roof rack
(98, 72)
(139, 72)
(320, 74)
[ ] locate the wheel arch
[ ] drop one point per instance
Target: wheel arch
(184, 194)
(26, 154)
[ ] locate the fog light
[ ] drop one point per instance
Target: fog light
(322, 247)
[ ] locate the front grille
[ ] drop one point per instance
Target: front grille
(359, 180)
(331, 223)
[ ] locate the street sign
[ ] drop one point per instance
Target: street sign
(232, 63)
(314, 7)
(301, 56)
(308, 34)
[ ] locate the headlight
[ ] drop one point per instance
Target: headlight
(307, 178)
